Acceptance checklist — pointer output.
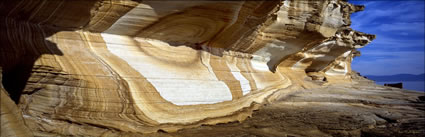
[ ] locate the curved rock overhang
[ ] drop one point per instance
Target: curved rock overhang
(144, 66)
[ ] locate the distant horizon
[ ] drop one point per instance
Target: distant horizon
(410, 81)
(399, 44)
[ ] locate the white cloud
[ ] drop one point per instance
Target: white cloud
(404, 62)
(383, 41)
(404, 33)
(397, 10)
(416, 27)
(399, 29)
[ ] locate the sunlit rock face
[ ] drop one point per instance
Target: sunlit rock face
(91, 67)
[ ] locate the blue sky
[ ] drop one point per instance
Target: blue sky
(399, 44)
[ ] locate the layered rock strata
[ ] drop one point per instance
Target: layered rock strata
(92, 67)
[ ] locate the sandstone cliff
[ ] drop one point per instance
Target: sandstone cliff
(97, 67)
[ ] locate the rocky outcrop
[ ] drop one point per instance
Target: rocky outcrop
(90, 68)
(333, 111)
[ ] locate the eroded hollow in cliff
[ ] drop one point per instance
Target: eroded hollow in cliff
(18, 60)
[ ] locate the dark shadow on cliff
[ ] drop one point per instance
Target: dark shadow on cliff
(15, 77)
(19, 52)
(23, 33)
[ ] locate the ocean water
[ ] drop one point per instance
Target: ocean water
(411, 85)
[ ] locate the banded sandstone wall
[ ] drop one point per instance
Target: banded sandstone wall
(90, 67)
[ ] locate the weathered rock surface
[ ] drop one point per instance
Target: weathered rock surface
(127, 67)
(337, 110)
